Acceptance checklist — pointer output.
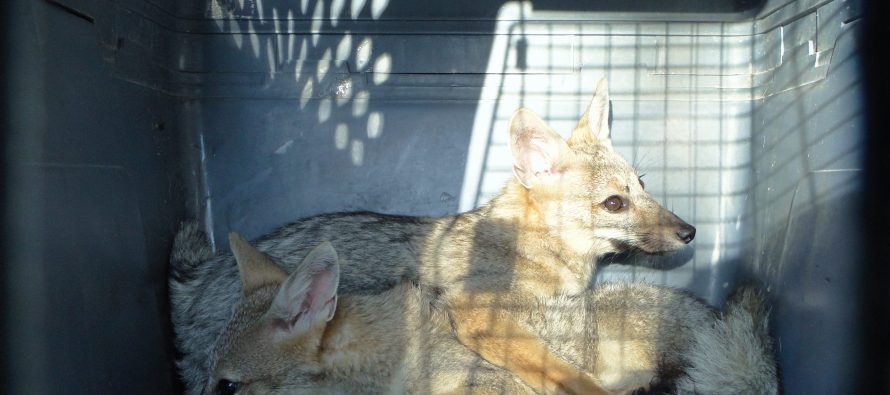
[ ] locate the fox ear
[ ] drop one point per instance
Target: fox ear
(537, 150)
(257, 269)
(309, 296)
(593, 128)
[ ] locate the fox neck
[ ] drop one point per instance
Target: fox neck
(538, 242)
(349, 346)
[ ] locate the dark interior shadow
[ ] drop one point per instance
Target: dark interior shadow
(660, 262)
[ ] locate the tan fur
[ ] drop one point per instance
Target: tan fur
(260, 271)
(392, 342)
(488, 328)
(540, 237)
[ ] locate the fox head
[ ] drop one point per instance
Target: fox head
(279, 320)
(583, 190)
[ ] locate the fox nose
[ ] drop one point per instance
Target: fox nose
(686, 233)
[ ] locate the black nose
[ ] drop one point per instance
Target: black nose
(686, 233)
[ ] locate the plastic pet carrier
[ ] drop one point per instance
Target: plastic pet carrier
(126, 117)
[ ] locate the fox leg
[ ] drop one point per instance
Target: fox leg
(487, 328)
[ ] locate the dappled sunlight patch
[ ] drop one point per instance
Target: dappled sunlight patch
(260, 8)
(358, 152)
(360, 104)
(284, 147)
(356, 8)
(377, 7)
(324, 64)
(344, 92)
(317, 19)
(279, 42)
(363, 54)
(270, 55)
(254, 39)
(375, 124)
(236, 37)
(334, 72)
(382, 68)
(341, 136)
(303, 50)
(306, 94)
(291, 39)
(343, 49)
(324, 110)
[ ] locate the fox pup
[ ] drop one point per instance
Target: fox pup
(291, 335)
(570, 202)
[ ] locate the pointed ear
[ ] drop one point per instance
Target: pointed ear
(309, 296)
(537, 150)
(257, 269)
(593, 128)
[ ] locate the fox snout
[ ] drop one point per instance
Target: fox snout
(676, 227)
(685, 232)
(657, 230)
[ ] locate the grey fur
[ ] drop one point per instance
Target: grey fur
(198, 316)
(733, 354)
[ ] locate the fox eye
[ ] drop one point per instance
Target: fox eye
(642, 184)
(226, 387)
(614, 203)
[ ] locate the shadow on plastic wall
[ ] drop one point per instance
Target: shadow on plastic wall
(347, 107)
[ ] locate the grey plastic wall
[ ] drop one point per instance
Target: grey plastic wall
(808, 144)
(93, 189)
(130, 116)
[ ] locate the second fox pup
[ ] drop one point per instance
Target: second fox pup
(291, 335)
(570, 202)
